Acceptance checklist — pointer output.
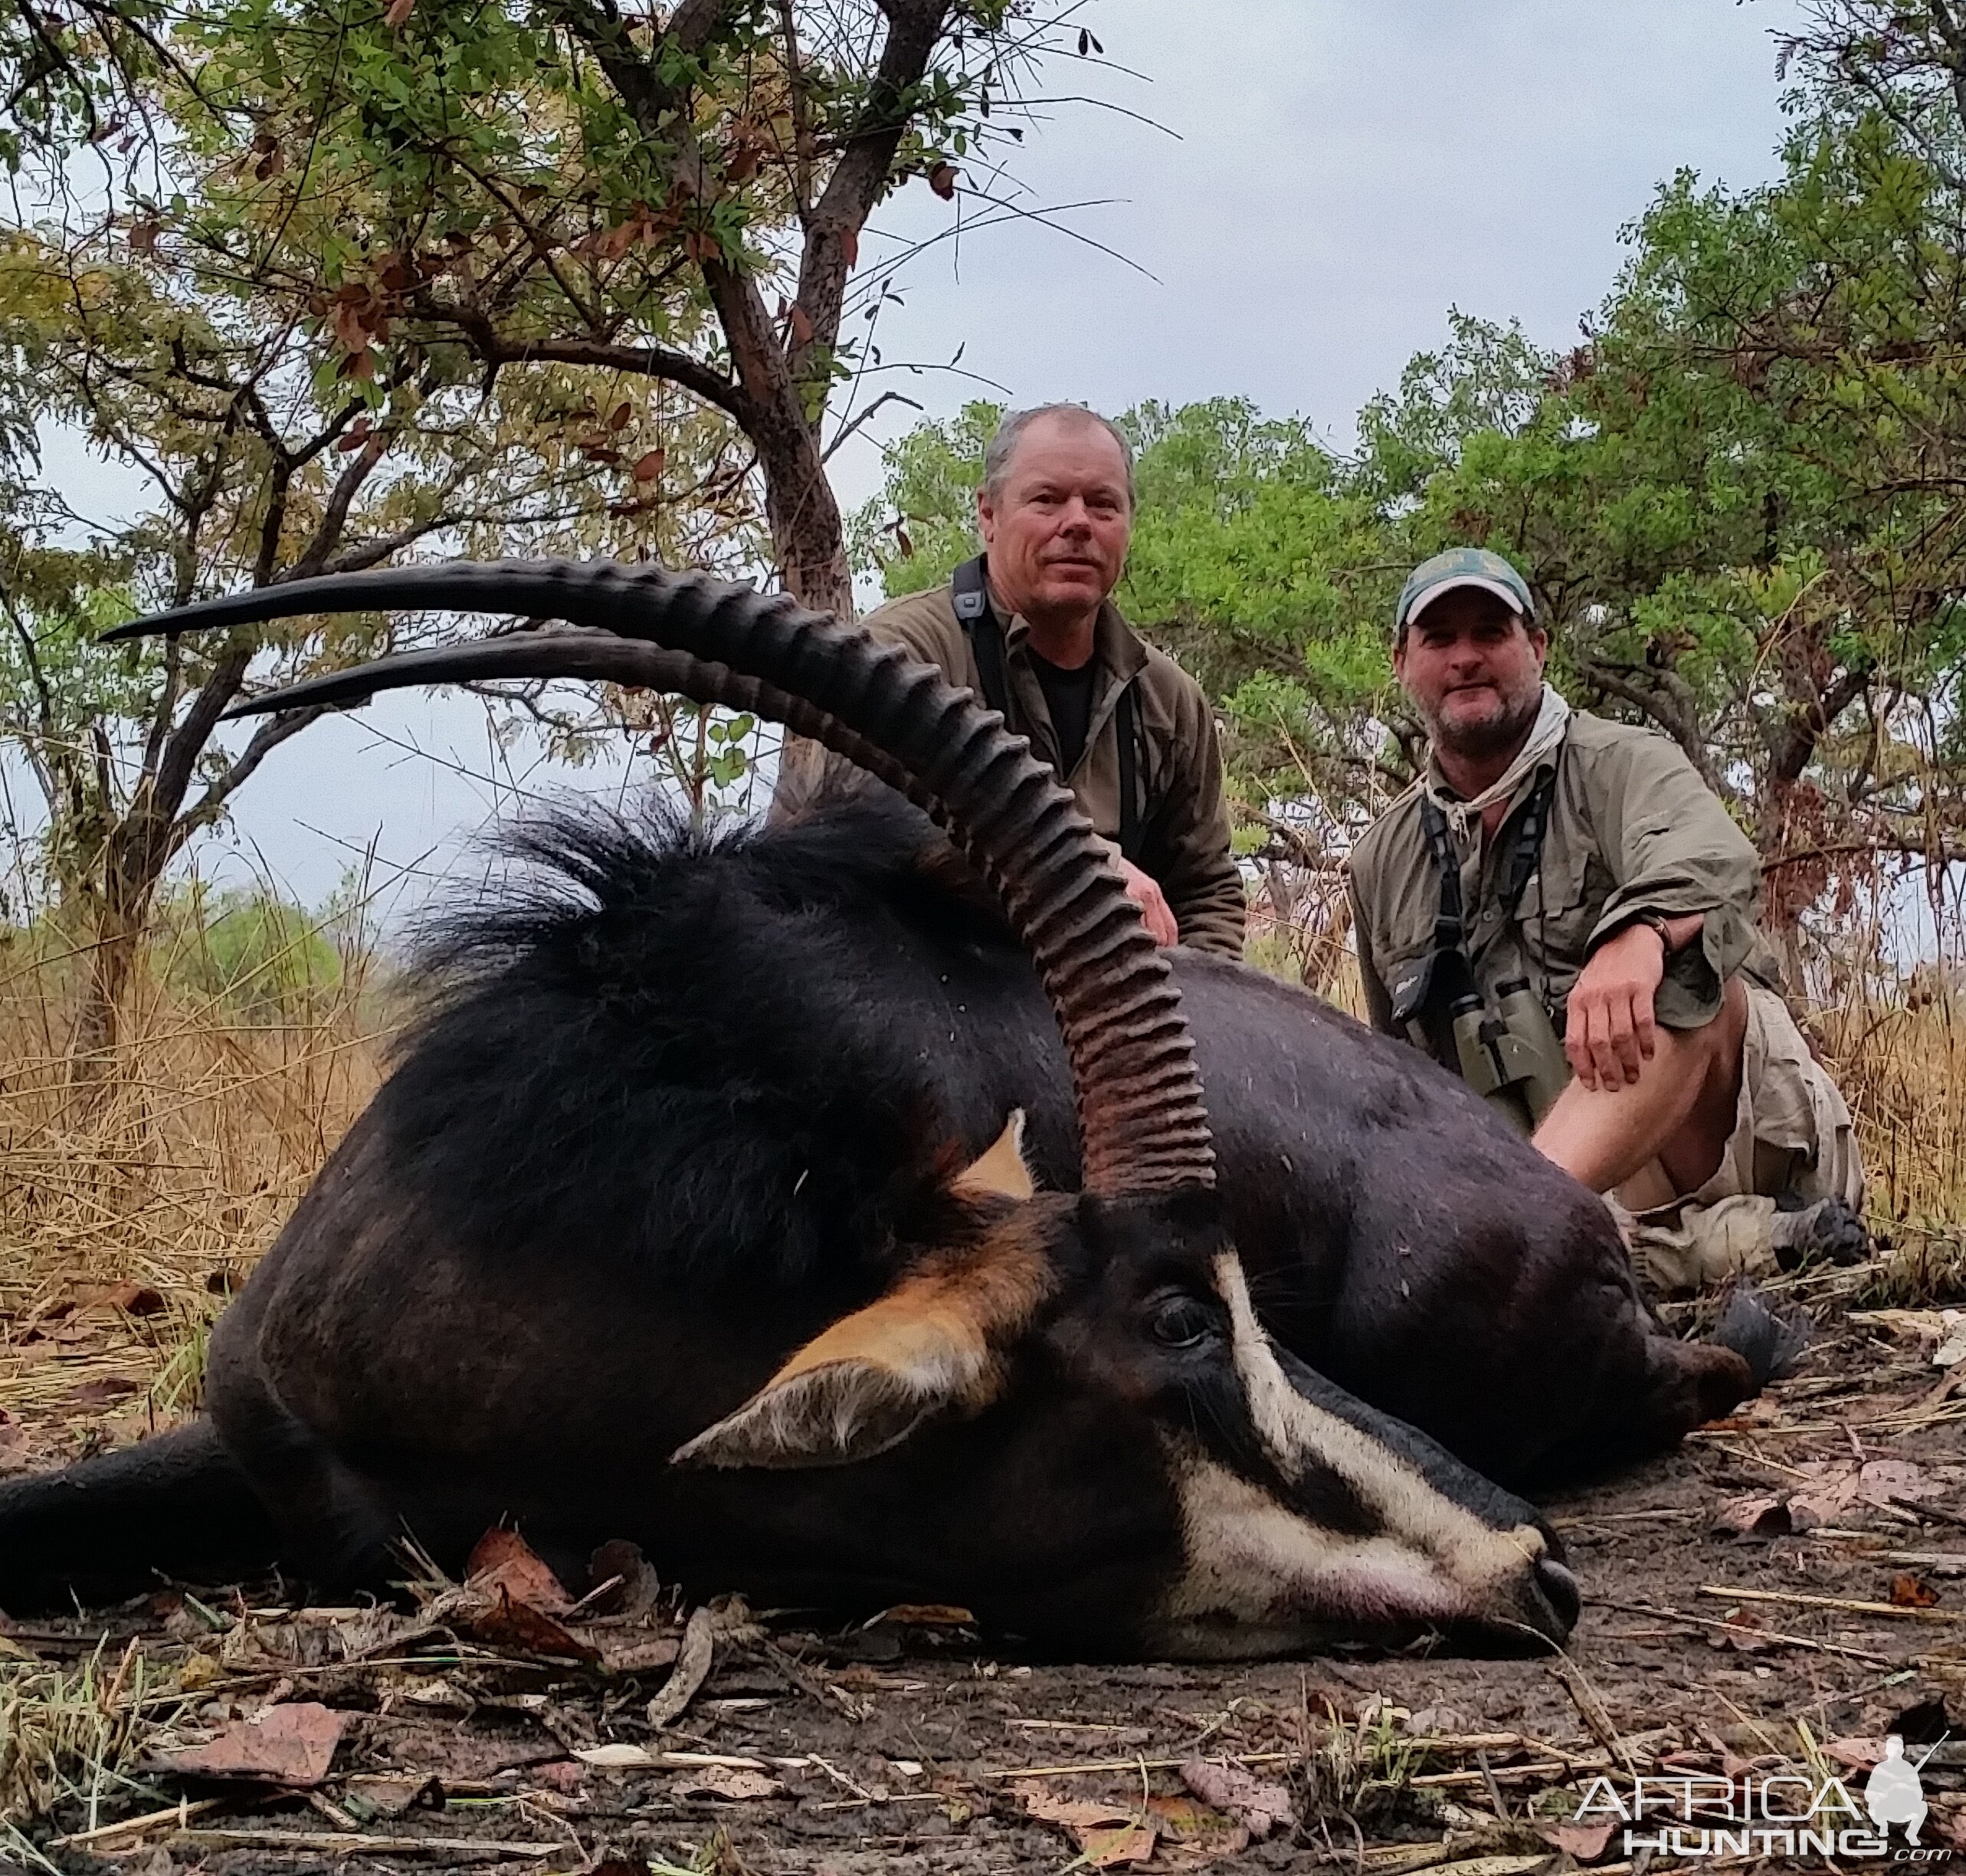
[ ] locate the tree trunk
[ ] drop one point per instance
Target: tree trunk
(134, 862)
(809, 542)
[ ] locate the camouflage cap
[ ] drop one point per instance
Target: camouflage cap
(1461, 566)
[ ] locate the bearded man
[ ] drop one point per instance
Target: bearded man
(1562, 910)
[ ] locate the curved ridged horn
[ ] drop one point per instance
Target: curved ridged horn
(1141, 1125)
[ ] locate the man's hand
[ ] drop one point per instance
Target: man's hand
(1143, 889)
(1610, 1034)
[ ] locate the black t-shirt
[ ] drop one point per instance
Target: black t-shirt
(1068, 696)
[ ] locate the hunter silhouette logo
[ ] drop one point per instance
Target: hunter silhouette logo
(1895, 1795)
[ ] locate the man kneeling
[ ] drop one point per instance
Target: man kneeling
(1554, 874)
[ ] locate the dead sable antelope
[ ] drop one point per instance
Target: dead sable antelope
(678, 1220)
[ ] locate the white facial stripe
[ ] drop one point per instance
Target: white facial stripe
(1297, 1432)
(1252, 1559)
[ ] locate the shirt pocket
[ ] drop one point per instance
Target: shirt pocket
(1557, 912)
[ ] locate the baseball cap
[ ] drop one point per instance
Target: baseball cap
(1461, 566)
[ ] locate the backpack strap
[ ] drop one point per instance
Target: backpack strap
(1450, 926)
(970, 594)
(1126, 727)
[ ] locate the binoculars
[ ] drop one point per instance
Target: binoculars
(1510, 1055)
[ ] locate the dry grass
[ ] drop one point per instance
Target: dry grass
(1902, 1064)
(171, 1171)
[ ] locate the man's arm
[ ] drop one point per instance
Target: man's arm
(1197, 872)
(1680, 918)
(1378, 998)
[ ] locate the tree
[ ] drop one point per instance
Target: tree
(264, 466)
(1738, 501)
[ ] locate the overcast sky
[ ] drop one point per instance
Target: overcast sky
(1326, 179)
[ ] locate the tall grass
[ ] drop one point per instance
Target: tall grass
(253, 1036)
(249, 1041)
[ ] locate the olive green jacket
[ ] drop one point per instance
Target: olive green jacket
(1633, 830)
(1184, 815)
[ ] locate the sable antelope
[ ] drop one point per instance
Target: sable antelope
(679, 1219)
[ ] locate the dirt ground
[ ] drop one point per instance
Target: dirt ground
(1781, 1593)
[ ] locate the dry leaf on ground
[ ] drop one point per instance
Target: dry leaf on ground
(288, 1745)
(1586, 1842)
(1193, 1833)
(1856, 1754)
(922, 1615)
(510, 1623)
(637, 1589)
(133, 1298)
(1756, 1515)
(389, 1794)
(502, 1559)
(1258, 1805)
(727, 1781)
(618, 1756)
(1107, 1834)
(692, 1669)
(1908, 1592)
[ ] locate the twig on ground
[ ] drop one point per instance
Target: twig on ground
(1761, 1635)
(1850, 1605)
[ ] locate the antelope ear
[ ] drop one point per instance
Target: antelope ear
(1001, 1168)
(926, 1348)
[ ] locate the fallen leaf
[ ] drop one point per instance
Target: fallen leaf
(1106, 1834)
(1859, 1755)
(1258, 1805)
(1912, 1592)
(728, 1782)
(389, 1794)
(502, 1559)
(634, 1652)
(509, 1623)
(693, 1669)
(1754, 1516)
(1882, 1480)
(399, 12)
(562, 1775)
(1586, 1842)
(17, 1452)
(287, 1745)
(619, 1757)
(1740, 1630)
(198, 1672)
(1193, 1833)
(102, 1390)
(637, 1590)
(923, 1616)
(133, 1298)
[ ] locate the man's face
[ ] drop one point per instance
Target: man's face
(1474, 670)
(1057, 529)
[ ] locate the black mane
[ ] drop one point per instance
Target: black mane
(678, 1043)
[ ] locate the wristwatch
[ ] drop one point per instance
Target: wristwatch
(1656, 920)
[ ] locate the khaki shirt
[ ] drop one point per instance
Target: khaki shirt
(1184, 813)
(1633, 830)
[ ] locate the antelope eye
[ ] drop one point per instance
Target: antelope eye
(1181, 1321)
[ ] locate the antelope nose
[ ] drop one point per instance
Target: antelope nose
(1560, 1592)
